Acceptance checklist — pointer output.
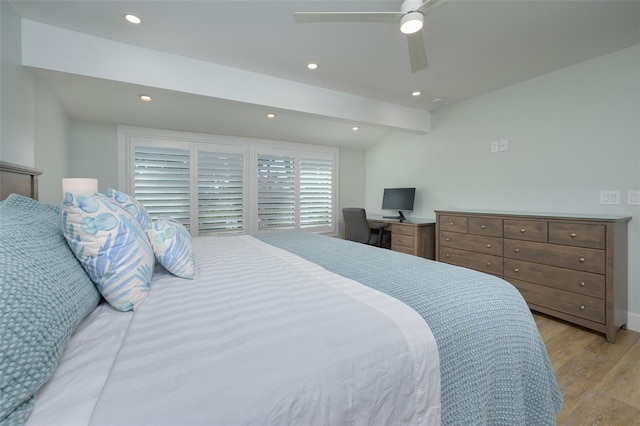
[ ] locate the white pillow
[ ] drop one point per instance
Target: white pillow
(131, 205)
(172, 246)
(111, 246)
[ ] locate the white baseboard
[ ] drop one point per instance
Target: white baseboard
(633, 321)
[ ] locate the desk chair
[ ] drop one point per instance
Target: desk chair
(358, 229)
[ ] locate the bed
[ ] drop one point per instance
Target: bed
(287, 328)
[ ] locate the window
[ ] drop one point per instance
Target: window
(276, 192)
(162, 181)
(316, 192)
(221, 185)
(221, 200)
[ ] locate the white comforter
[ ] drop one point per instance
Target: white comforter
(260, 337)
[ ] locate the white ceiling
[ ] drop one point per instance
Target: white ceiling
(473, 47)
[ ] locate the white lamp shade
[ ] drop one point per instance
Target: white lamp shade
(82, 186)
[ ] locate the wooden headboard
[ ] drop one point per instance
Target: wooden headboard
(19, 180)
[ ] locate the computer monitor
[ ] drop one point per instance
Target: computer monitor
(398, 199)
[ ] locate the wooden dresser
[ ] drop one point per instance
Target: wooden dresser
(569, 267)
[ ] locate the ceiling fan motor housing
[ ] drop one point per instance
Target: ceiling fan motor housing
(411, 5)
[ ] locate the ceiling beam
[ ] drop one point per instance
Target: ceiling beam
(53, 48)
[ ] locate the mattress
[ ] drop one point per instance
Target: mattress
(262, 336)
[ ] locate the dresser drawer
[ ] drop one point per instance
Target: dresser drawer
(453, 223)
(491, 227)
(582, 259)
(400, 229)
(402, 241)
(577, 305)
(571, 280)
(478, 261)
(403, 249)
(577, 234)
(529, 230)
(477, 243)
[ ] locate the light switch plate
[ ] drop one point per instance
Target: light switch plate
(495, 146)
(504, 145)
(633, 197)
(610, 197)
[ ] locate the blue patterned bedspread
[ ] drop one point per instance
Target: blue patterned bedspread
(494, 366)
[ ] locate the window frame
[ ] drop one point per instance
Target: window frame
(129, 136)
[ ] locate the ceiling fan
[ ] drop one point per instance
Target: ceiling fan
(410, 18)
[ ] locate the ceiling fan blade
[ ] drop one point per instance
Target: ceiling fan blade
(430, 5)
(417, 53)
(311, 17)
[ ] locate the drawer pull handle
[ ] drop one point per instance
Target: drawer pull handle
(516, 250)
(488, 245)
(581, 284)
(516, 270)
(522, 231)
(447, 239)
(582, 307)
(482, 226)
(450, 223)
(488, 263)
(572, 235)
(581, 260)
(447, 256)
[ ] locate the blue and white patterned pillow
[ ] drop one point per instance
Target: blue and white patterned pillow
(111, 246)
(131, 205)
(172, 246)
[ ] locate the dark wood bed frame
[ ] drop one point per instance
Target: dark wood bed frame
(16, 179)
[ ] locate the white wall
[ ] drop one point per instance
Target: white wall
(570, 134)
(33, 123)
(352, 181)
(51, 142)
(93, 152)
(17, 94)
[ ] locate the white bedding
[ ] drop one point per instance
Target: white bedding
(68, 398)
(260, 337)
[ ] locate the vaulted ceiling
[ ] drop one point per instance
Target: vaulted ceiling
(473, 47)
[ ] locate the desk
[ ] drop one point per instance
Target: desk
(413, 236)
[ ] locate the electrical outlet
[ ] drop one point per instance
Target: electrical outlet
(610, 197)
(495, 146)
(504, 145)
(633, 197)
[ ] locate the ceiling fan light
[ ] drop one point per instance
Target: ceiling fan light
(411, 23)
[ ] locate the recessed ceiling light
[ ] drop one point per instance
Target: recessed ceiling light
(416, 93)
(436, 100)
(355, 128)
(132, 18)
(271, 115)
(312, 66)
(145, 98)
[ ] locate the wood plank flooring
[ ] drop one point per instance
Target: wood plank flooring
(600, 382)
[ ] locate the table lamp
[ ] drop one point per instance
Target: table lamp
(84, 186)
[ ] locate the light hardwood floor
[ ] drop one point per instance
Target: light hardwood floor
(600, 382)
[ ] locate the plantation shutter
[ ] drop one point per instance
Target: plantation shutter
(162, 181)
(218, 185)
(221, 196)
(316, 193)
(276, 192)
